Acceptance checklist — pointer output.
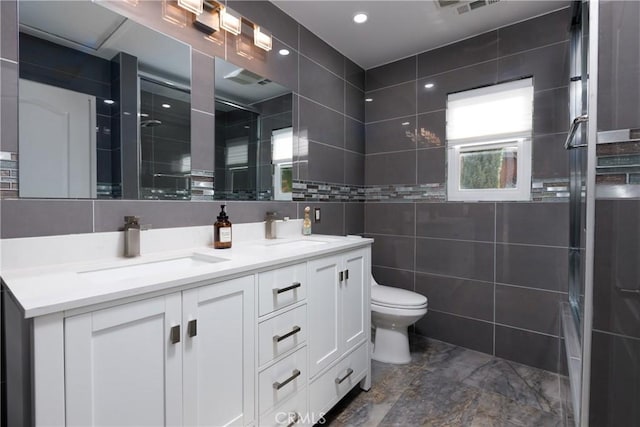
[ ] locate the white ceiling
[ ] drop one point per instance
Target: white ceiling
(397, 28)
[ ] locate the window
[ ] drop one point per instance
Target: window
(489, 142)
(282, 158)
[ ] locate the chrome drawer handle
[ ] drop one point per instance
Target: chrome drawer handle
(294, 420)
(295, 330)
(341, 380)
(295, 374)
(192, 328)
(295, 285)
(174, 334)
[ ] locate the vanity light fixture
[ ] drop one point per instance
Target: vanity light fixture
(230, 21)
(284, 52)
(429, 85)
(194, 6)
(261, 38)
(173, 13)
(360, 18)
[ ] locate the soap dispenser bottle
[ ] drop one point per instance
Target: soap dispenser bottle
(306, 223)
(222, 231)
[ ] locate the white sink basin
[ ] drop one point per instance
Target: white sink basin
(295, 243)
(135, 271)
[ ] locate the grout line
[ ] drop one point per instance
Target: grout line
(615, 334)
(93, 215)
(342, 113)
(203, 112)
(461, 316)
(511, 285)
(10, 61)
(410, 116)
(495, 267)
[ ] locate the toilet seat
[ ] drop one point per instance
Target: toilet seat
(386, 296)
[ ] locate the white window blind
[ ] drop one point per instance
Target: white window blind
(282, 145)
(237, 152)
(503, 109)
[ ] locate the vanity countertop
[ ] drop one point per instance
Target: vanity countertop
(53, 288)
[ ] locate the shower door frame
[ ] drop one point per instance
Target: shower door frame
(592, 138)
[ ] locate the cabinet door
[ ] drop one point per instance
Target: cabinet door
(121, 367)
(324, 305)
(354, 297)
(219, 373)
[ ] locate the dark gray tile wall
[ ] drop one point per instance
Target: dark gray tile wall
(615, 354)
(328, 87)
(493, 272)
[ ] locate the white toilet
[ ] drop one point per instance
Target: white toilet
(393, 310)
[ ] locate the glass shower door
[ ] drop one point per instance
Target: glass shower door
(573, 311)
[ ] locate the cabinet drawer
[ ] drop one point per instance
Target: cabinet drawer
(338, 380)
(281, 333)
(291, 412)
(281, 287)
(282, 380)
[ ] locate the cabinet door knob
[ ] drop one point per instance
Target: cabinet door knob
(294, 330)
(192, 328)
(174, 334)
(294, 420)
(295, 374)
(341, 380)
(295, 285)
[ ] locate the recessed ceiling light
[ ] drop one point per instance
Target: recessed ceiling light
(360, 18)
(368, 99)
(109, 101)
(284, 52)
(166, 105)
(429, 85)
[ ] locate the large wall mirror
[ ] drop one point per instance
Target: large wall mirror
(105, 112)
(104, 108)
(254, 136)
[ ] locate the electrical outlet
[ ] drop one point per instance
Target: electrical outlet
(316, 213)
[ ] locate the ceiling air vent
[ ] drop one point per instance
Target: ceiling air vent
(445, 3)
(465, 6)
(245, 77)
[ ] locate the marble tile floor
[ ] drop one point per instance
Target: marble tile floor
(446, 385)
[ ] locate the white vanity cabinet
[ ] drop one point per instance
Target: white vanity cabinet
(339, 322)
(181, 359)
(273, 339)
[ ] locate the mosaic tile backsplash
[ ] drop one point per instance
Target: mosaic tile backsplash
(8, 175)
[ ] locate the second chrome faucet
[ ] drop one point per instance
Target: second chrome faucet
(270, 225)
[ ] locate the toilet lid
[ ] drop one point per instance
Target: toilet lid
(395, 297)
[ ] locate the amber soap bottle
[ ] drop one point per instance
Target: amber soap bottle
(222, 231)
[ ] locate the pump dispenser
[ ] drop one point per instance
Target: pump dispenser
(222, 231)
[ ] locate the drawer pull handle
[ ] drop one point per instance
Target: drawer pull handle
(294, 420)
(341, 380)
(295, 285)
(192, 328)
(295, 374)
(295, 330)
(346, 274)
(174, 334)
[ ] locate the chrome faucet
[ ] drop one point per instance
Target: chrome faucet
(270, 225)
(132, 230)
